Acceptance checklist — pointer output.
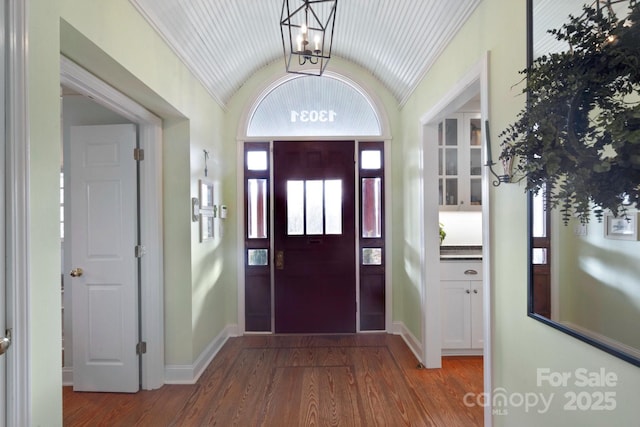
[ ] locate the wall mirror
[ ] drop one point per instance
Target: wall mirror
(584, 280)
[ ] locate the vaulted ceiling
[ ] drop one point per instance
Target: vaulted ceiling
(223, 42)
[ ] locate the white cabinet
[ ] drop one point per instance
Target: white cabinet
(460, 162)
(461, 308)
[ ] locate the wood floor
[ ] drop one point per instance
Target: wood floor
(288, 381)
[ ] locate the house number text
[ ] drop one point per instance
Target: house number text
(313, 116)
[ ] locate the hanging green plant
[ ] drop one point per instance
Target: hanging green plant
(579, 135)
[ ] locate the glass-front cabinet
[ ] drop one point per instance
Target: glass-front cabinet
(460, 162)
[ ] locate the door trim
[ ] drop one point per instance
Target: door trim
(152, 279)
(476, 80)
(17, 206)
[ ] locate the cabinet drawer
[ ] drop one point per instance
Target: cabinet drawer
(461, 270)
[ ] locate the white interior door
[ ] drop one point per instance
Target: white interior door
(105, 287)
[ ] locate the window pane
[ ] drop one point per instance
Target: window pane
(295, 208)
(258, 257)
(372, 256)
(371, 207)
(257, 160)
(333, 206)
(440, 154)
(440, 201)
(311, 112)
(370, 159)
(452, 191)
(314, 207)
(476, 192)
(451, 161)
(538, 216)
(451, 131)
(476, 132)
(475, 162)
(539, 255)
(257, 208)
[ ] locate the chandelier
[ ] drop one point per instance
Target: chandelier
(307, 34)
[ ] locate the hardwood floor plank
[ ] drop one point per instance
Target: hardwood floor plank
(295, 380)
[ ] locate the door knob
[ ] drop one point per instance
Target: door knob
(5, 342)
(76, 272)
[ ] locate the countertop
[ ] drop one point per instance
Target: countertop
(460, 253)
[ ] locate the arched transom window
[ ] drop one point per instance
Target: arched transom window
(314, 106)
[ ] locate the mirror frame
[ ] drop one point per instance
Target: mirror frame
(530, 307)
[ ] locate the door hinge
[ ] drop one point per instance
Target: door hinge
(141, 347)
(138, 154)
(140, 251)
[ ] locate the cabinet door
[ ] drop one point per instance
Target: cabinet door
(477, 320)
(449, 139)
(460, 162)
(473, 140)
(456, 314)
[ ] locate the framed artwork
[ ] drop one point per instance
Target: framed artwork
(206, 227)
(205, 192)
(207, 211)
(622, 227)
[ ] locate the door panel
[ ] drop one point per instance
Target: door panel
(314, 237)
(103, 223)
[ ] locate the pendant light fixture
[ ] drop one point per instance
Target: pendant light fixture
(307, 34)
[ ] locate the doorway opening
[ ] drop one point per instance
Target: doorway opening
(149, 269)
(471, 88)
(314, 234)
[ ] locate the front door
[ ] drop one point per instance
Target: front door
(314, 237)
(104, 284)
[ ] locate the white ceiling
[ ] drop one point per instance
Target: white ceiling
(224, 42)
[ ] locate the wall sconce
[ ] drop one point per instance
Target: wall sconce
(506, 162)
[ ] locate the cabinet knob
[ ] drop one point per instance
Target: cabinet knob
(470, 272)
(475, 291)
(468, 291)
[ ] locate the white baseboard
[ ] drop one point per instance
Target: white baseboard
(399, 328)
(67, 376)
(462, 352)
(189, 374)
(181, 374)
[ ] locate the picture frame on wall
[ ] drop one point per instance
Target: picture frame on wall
(624, 227)
(206, 226)
(207, 212)
(205, 192)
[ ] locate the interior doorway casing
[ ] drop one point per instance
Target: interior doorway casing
(474, 82)
(17, 214)
(151, 270)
